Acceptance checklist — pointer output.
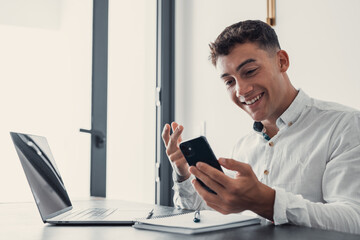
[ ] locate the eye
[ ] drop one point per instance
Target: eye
(229, 82)
(250, 72)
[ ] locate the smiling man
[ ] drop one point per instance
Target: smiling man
(301, 162)
(257, 82)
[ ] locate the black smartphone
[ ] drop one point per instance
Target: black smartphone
(199, 150)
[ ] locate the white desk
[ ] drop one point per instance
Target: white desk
(22, 221)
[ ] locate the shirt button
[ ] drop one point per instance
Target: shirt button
(266, 172)
(271, 144)
(290, 123)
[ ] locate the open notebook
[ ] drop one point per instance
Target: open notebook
(210, 221)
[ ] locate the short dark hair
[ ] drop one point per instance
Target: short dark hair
(253, 31)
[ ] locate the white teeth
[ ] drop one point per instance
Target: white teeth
(253, 100)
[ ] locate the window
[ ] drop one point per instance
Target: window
(131, 100)
(46, 61)
(45, 88)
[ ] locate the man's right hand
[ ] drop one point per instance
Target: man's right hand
(173, 151)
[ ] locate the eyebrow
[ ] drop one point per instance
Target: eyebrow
(240, 66)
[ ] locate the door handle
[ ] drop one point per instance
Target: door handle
(100, 138)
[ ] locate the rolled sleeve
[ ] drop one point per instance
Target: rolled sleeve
(291, 208)
(185, 195)
(280, 207)
(184, 188)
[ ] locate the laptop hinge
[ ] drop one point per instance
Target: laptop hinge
(55, 214)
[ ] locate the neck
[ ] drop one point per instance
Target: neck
(271, 130)
(270, 124)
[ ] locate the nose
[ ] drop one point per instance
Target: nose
(242, 89)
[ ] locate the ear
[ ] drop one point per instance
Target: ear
(283, 60)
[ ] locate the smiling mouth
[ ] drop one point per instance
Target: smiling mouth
(253, 100)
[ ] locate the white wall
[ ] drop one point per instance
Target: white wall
(320, 36)
(45, 79)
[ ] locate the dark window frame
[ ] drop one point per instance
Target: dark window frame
(98, 129)
(165, 82)
(165, 104)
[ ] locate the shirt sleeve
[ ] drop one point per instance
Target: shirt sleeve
(338, 216)
(185, 195)
(340, 188)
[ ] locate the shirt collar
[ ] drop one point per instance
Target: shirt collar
(291, 114)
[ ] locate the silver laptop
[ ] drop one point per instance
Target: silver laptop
(49, 191)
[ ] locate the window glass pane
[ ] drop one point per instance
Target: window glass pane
(45, 88)
(131, 100)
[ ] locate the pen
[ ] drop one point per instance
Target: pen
(150, 214)
(197, 216)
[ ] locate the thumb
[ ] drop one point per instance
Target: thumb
(231, 164)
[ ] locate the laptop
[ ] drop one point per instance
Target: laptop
(50, 193)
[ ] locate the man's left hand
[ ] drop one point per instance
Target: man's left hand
(244, 192)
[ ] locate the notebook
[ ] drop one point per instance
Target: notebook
(184, 223)
(49, 191)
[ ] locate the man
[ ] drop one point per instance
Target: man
(299, 165)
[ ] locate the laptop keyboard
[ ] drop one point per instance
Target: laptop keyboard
(88, 214)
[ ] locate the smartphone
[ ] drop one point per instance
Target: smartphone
(199, 150)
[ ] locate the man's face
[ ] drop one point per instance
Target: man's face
(255, 81)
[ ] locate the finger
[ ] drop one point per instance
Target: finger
(174, 125)
(173, 142)
(166, 134)
(219, 189)
(207, 196)
(217, 208)
(214, 174)
(212, 200)
(231, 164)
(221, 209)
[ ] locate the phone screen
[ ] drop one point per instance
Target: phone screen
(199, 150)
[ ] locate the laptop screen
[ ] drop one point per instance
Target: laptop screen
(42, 174)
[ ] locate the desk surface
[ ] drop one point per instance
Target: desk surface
(22, 221)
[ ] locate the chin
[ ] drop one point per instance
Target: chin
(257, 117)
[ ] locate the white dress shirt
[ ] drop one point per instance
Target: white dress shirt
(313, 164)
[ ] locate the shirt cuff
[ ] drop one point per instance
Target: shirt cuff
(184, 188)
(280, 206)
